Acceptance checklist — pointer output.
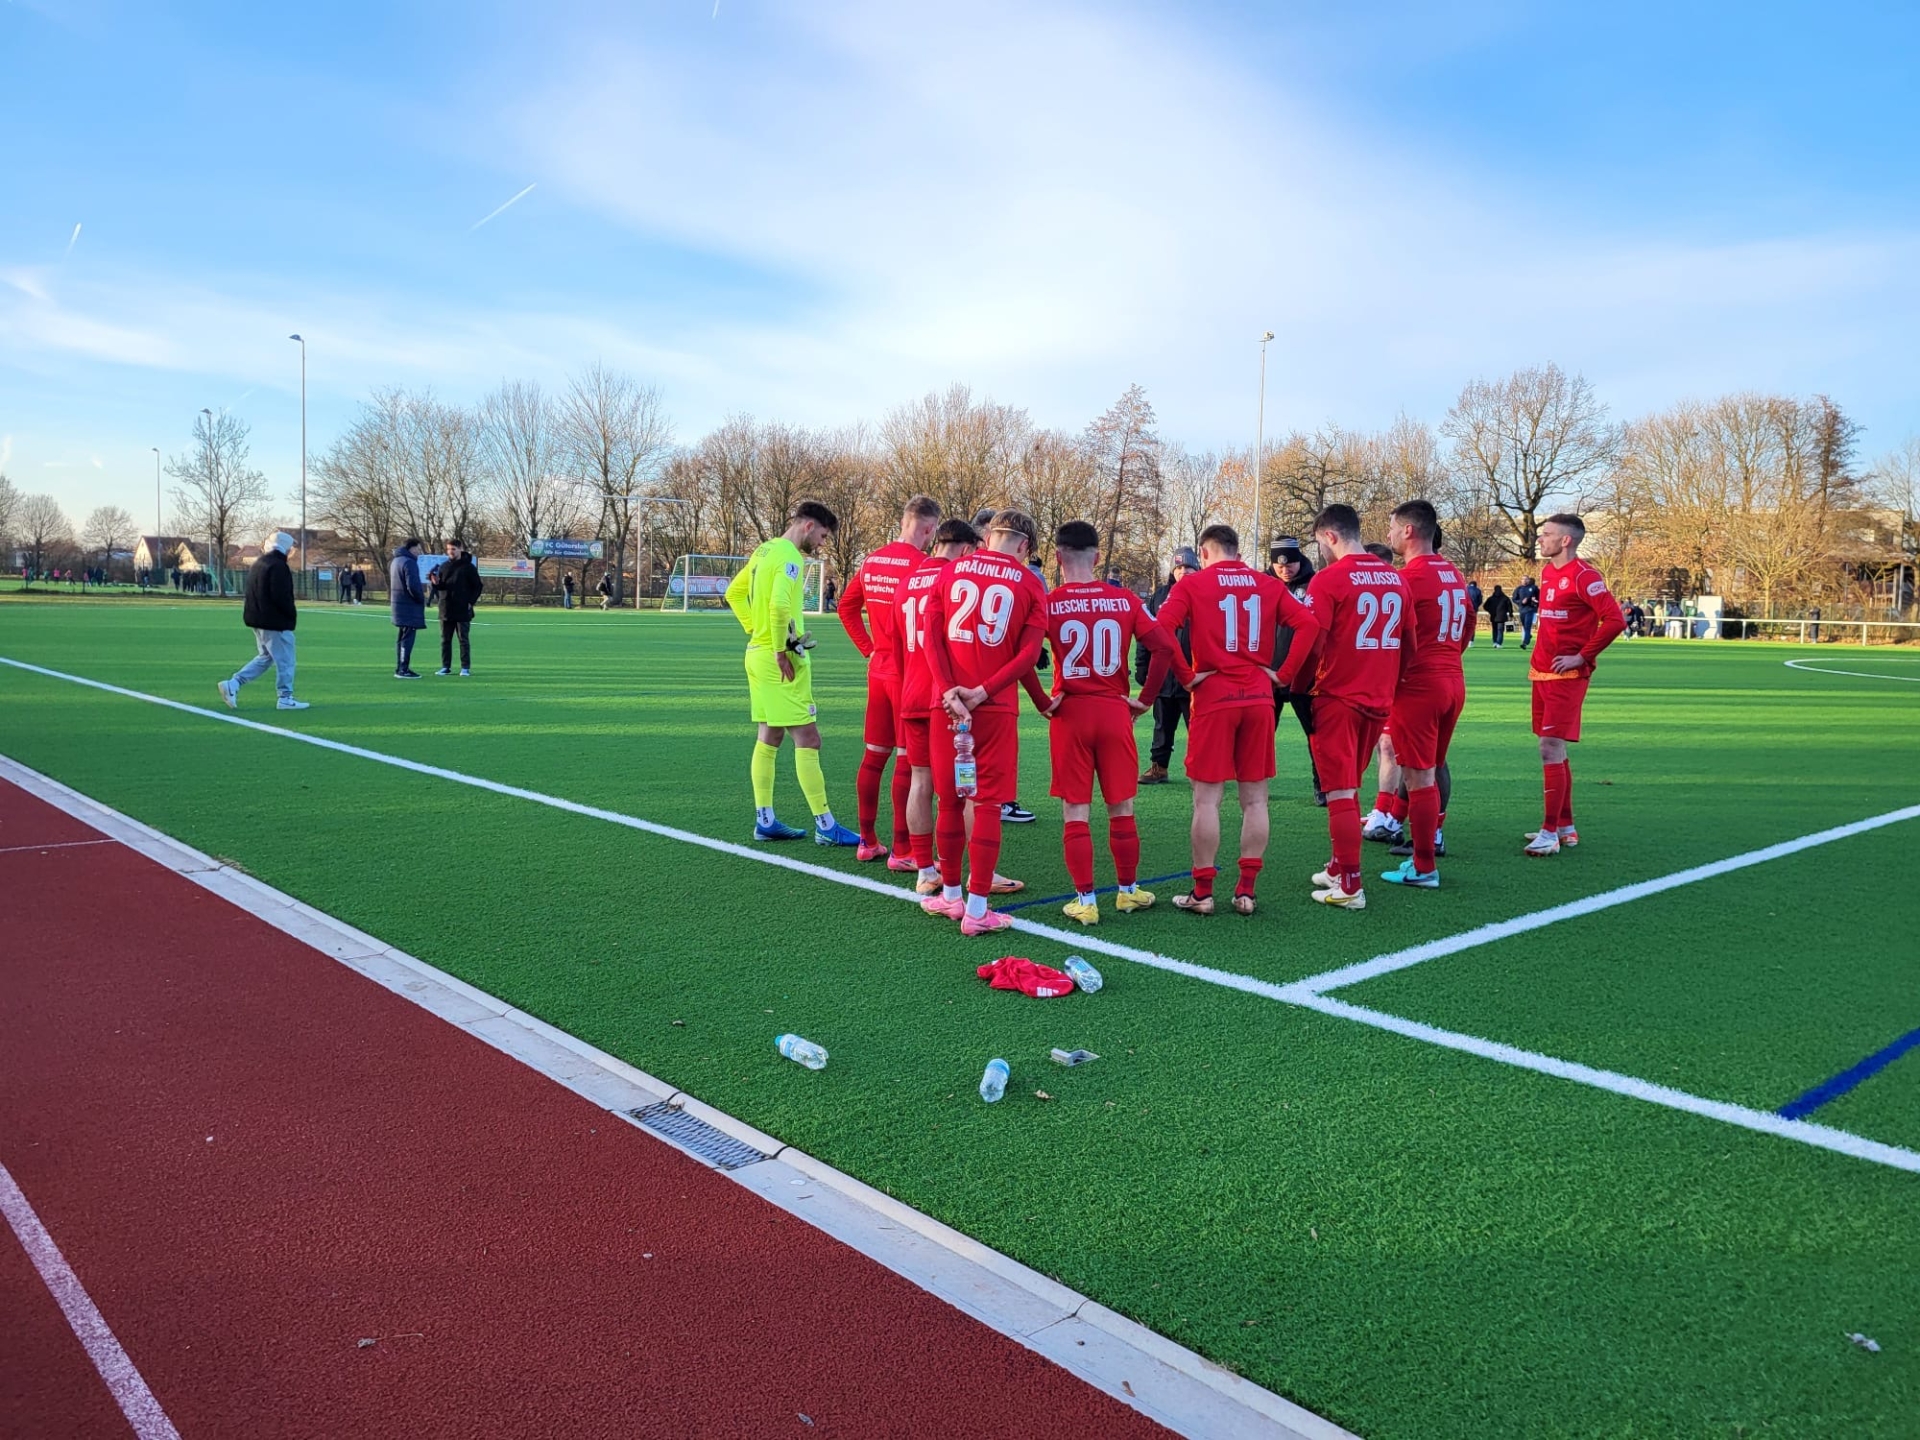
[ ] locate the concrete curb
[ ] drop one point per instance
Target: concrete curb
(1173, 1385)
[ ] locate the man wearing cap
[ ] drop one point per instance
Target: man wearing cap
(1171, 706)
(269, 613)
(456, 585)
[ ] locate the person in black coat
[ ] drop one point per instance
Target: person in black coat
(269, 612)
(1499, 614)
(456, 585)
(1291, 568)
(1170, 706)
(407, 603)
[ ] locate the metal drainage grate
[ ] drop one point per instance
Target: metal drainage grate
(693, 1134)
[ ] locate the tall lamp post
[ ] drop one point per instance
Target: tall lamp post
(306, 575)
(156, 497)
(213, 486)
(1260, 441)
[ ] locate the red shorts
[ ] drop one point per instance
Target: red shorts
(1091, 736)
(915, 740)
(996, 755)
(1343, 743)
(1422, 722)
(883, 712)
(1556, 707)
(1234, 742)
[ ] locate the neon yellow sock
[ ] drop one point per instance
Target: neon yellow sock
(806, 764)
(763, 775)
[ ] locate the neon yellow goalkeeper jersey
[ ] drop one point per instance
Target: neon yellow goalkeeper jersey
(766, 596)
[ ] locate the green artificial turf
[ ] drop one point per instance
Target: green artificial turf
(1411, 1241)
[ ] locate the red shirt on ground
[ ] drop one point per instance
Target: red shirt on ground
(985, 621)
(1231, 612)
(1366, 642)
(1442, 619)
(1093, 627)
(871, 598)
(1578, 616)
(917, 695)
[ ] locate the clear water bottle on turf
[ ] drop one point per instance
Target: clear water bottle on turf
(993, 1084)
(803, 1052)
(966, 773)
(1084, 975)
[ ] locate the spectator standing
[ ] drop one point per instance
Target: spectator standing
(346, 584)
(1173, 703)
(269, 612)
(1291, 568)
(605, 590)
(1473, 608)
(408, 604)
(359, 586)
(1499, 614)
(566, 590)
(1526, 600)
(456, 586)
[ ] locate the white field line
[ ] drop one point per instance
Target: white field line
(1296, 993)
(129, 1390)
(1573, 909)
(1764, 1121)
(1863, 674)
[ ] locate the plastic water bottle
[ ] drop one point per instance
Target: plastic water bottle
(1084, 975)
(803, 1052)
(993, 1084)
(966, 773)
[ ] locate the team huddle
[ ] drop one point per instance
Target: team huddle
(953, 619)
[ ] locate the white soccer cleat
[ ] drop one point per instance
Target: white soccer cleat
(1546, 842)
(230, 693)
(1324, 878)
(287, 702)
(1342, 898)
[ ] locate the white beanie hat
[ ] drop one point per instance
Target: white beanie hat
(279, 540)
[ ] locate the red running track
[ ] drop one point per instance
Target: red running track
(254, 1158)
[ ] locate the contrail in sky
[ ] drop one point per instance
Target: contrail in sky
(516, 199)
(74, 239)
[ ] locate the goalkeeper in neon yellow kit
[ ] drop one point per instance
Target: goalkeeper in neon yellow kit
(765, 598)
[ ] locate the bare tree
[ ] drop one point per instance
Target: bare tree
(520, 443)
(355, 485)
(616, 437)
(43, 526)
(217, 491)
(962, 452)
(1054, 483)
(1536, 442)
(9, 506)
(109, 529)
(1124, 444)
(1200, 490)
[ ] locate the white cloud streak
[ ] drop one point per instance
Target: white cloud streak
(72, 240)
(501, 209)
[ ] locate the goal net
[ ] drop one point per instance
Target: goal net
(699, 582)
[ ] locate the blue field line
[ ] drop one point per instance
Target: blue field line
(1843, 1082)
(1103, 890)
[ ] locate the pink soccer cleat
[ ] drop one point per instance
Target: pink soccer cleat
(864, 852)
(987, 924)
(943, 909)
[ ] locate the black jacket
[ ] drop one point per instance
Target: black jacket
(457, 585)
(269, 597)
(1499, 606)
(1142, 658)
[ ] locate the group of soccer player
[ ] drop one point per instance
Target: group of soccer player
(953, 617)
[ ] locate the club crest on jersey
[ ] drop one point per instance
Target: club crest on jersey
(793, 571)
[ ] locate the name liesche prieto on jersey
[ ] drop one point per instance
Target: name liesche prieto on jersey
(1089, 605)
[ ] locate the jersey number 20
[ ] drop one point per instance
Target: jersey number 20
(1104, 641)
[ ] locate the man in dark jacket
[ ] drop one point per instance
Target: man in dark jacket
(1170, 706)
(457, 586)
(1473, 608)
(1526, 600)
(407, 603)
(269, 613)
(1499, 614)
(1290, 566)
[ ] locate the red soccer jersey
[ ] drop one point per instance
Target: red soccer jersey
(1578, 616)
(986, 619)
(1365, 640)
(910, 634)
(871, 599)
(1441, 617)
(1231, 612)
(1093, 627)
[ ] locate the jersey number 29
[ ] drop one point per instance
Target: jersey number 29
(995, 607)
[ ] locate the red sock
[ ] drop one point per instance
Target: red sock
(1566, 796)
(902, 782)
(1077, 841)
(1397, 806)
(983, 855)
(1383, 802)
(922, 849)
(1423, 812)
(1249, 876)
(1555, 781)
(950, 841)
(1343, 828)
(1123, 838)
(866, 788)
(1203, 881)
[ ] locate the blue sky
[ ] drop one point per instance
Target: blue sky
(815, 211)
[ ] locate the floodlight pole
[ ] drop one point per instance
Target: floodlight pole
(306, 579)
(1260, 441)
(213, 480)
(157, 524)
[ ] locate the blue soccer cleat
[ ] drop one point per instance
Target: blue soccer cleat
(774, 830)
(838, 834)
(1407, 875)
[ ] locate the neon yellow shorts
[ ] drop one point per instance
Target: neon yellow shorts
(777, 701)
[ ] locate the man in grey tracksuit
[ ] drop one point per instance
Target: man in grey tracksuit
(268, 610)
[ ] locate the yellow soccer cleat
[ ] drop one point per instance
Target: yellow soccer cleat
(1134, 899)
(1088, 914)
